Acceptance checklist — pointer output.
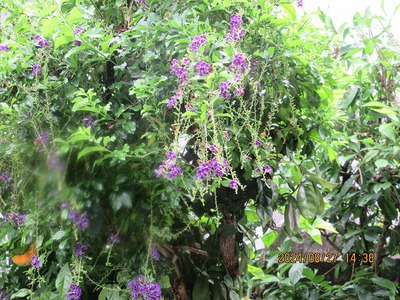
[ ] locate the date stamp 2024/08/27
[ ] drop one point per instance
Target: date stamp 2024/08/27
(328, 257)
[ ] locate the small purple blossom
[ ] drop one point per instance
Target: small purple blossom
(178, 71)
(197, 42)
(224, 86)
(186, 62)
(42, 139)
(140, 288)
(18, 219)
(74, 292)
(73, 215)
(42, 42)
(174, 171)
(64, 206)
(204, 170)
(239, 91)
(77, 43)
(154, 253)
(5, 177)
(169, 167)
(217, 167)
(203, 68)
(213, 149)
(89, 122)
(141, 2)
(239, 63)
(79, 31)
(258, 143)
(83, 221)
(36, 69)
(35, 262)
(3, 295)
(235, 21)
(160, 171)
(233, 184)
(299, 3)
(235, 33)
(236, 77)
(4, 48)
(267, 169)
(171, 155)
(114, 238)
(80, 249)
(172, 102)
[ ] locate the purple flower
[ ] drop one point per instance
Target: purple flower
(74, 292)
(267, 169)
(89, 122)
(213, 148)
(217, 167)
(258, 143)
(224, 86)
(197, 42)
(239, 63)
(5, 177)
(35, 262)
(203, 170)
(141, 2)
(160, 171)
(4, 48)
(73, 215)
(172, 102)
(203, 68)
(42, 139)
(236, 77)
(174, 171)
(186, 62)
(235, 21)
(154, 253)
(114, 238)
(239, 91)
(234, 33)
(233, 184)
(79, 31)
(178, 71)
(77, 43)
(36, 69)
(83, 221)
(299, 3)
(148, 291)
(80, 249)
(226, 165)
(64, 206)
(42, 41)
(171, 155)
(18, 219)
(3, 295)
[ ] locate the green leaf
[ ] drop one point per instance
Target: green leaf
(201, 288)
(251, 215)
(64, 39)
(369, 46)
(296, 272)
(289, 10)
(386, 283)
(309, 273)
(120, 200)
(64, 279)
(59, 235)
(381, 163)
(314, 178)
(308, 201)
(256, 272)
(129, 127)
(370, 155)
(349, 98)
(21, 293)
(88, 150)
(388, 131)
(296, 175)
(269, 238)
(321, 224)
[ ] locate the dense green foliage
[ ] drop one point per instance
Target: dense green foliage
(155, 138)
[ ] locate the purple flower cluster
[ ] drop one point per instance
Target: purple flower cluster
(258, 143)
(35, 262)
(197, 42)
(224, 87)
(114, 238)
(235, 32)
(203, 68)
(233, 184)
(169, 167)
(5, 177)
(89, 122)
(212, 167)
(4, 48)
(299, 3)
(154, 253)
(239, 63)
(266, 168)
(213, 149)
(74, 292)
(140, 288)
(42, 139)
(80, 249)
(239, 91)
(178, 71)
(172, 101)
(54, 162)
(17, 218)
(3, 295)
(76, 33)
(42, 42)
(36, 69)
(81, 220)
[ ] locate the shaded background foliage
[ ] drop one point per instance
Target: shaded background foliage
(90, 131)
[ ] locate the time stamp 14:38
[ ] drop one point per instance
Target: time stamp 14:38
(328, 257)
